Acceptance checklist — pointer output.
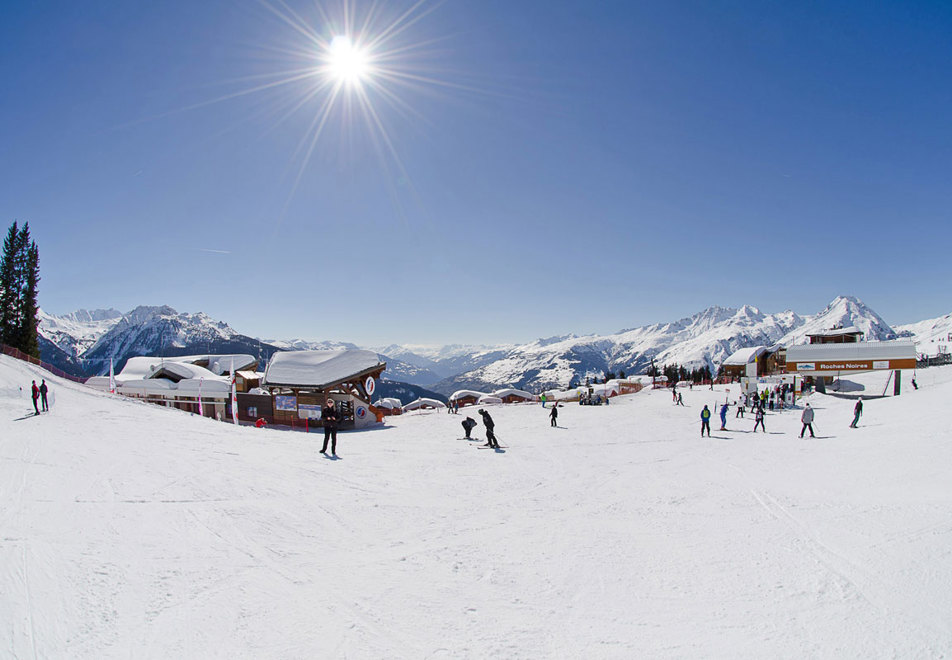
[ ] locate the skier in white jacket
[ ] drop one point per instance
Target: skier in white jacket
(807, 419)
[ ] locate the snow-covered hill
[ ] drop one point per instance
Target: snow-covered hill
(930, 335)
(130, 530)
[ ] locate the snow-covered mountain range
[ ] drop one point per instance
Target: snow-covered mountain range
(87, 340)
(704, 339)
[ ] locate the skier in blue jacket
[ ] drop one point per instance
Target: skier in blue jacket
(706, 421)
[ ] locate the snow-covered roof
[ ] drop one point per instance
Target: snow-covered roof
(181, 370)
(489, 399)
(219, 363)
(142, 366)
(837, 332)
(389, 403)
(318, 368)
(508, 391)
(249, 375)
(744, 356)
(138, 367)
(419, 403)
(462, 394)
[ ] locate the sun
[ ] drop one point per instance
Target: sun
(346, 62)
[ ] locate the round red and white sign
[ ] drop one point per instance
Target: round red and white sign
(370, 385)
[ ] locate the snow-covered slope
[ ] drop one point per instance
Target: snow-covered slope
(135, 531)
(929, 335)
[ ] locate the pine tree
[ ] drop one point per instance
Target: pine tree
(29, 338)
(19, 276)
(9, 290)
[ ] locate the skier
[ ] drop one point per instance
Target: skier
(36, 395)
(555, 415)
(740, 410)
(914, 385)
(468, 425)
(329, 419)
(759, 419)
(680, 399)
(542, 396)
(857, 411)
(807, 419)
(723, 417)
(43, 390)
(706, 421)
(490, 425)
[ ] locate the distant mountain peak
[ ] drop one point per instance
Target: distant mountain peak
(92, 315)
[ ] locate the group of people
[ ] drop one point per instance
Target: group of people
(39, 394)
(469, 424)
(806, 418)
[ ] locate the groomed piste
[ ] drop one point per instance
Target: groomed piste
(127, 530)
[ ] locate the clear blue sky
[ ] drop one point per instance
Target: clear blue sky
(557, 167)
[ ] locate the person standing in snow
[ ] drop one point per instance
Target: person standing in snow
(807, 419)
(759, 419)
(554, 415)
(468, 425)
(35, 392)
(740, 410)
(490, 425)
(542, 396)
(723, 417)
(914, 385)
(329, 419)
(857, 411)
(43, 390)
(706, 421)
(680, 399)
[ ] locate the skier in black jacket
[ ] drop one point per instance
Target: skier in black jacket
(490, 425)
(857, 412)
(555, 414)
(468, 425)
(329, 419)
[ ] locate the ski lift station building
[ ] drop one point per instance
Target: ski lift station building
(824, 361)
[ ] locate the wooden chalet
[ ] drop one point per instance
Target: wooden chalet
(466, 397)
(510, 395)
(297, 383)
